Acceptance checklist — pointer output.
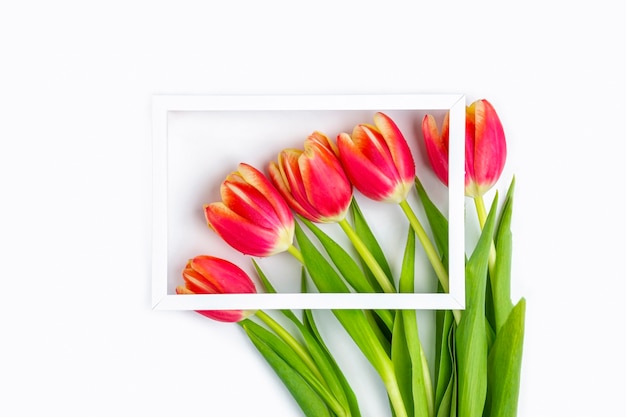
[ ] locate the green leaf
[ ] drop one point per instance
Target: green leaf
(383, 333)
(449, 402)
(337, 381)
(421, 384)
(445, 327)
(490, 313)
(446, 399)
(501, 281)
(505, 364)
(353, 321)
(445, 369)
(400, 355)
(270, 289)
(333, 377)
(288, 367)
(407, 273)
(401, 348)
(326, 364)
(326, 279)
(324, 276)
(471, 335)
(411, 365)
(348, 268)
(367, 236)
(437, 221)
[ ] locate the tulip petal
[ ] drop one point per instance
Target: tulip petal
(392, 169)
(436, 146)
(289, 161)
(252, 216)
(248, 202)
(254, 177)
(397, 145)
(227, 316)
(372, 146)
(321, 140)
(490, 144)
(485, 151)
(485, 147)
(470, 134)
(209, 275)
(226, 276)
(328, 191)
(364, 175)
(183, 290)
(278, 175)
(247, 237)
(326, 183)
(198, 284)
(313, 181)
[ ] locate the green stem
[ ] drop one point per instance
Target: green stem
(481, 211)
(431, 252)
(296, 253)
(291, 341)
(367, 256)
(332, 402)
(393, 391)
(371, 347)
(387, 320)
(428, 383)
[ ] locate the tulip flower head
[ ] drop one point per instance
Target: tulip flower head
(209, 275)
(485, 147)
(313, 181)
(252, 216)
(378, 160)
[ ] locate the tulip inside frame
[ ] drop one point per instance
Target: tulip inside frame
(197, 140)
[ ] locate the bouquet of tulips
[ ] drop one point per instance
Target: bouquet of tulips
(478, 350)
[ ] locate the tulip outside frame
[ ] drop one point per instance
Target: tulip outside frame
(190, 162)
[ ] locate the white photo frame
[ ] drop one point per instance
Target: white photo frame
(179, 171)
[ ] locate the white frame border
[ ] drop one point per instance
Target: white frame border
(454, 300)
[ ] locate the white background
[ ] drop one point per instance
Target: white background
(78, 335)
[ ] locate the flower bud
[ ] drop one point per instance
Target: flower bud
(378, 160)
(252, 217)
(485, 147)
(313, 181)
(209, 275)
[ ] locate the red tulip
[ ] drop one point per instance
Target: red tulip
(313, 181)
(485, 147)
(252, 217)
(208, 275)
(378, 160)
